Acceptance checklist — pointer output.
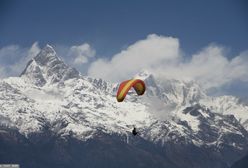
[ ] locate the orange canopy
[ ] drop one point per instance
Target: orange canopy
(137, 84)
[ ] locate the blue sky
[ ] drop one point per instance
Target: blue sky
(110, 25)
(91, 33)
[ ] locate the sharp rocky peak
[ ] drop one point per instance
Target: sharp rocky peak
(46, 56)
(47, 67)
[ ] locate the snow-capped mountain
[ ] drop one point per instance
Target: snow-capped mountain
(46, 67)
(173, 114)
(228, 105)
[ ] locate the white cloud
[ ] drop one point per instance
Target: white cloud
(19, 66)
(2, 72)
(33, 51)
(162, 56)
(145, 54)
(239, 67)
(14, 58)
(210, 67)
(80, 54)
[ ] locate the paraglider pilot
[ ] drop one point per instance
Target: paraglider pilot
(134, 132)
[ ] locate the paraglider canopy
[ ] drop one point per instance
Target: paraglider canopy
(137, 84)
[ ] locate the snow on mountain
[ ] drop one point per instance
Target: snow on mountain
(47, 67)
(51, 94)
(172, 91)
(228, 105)
(180, 94)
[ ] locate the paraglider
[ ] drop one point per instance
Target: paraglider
(137, 84)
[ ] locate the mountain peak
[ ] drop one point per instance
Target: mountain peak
(49, 48)
(143, 74)
(46, 55)
(47, 67)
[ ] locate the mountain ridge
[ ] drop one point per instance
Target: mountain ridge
(177, 115)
